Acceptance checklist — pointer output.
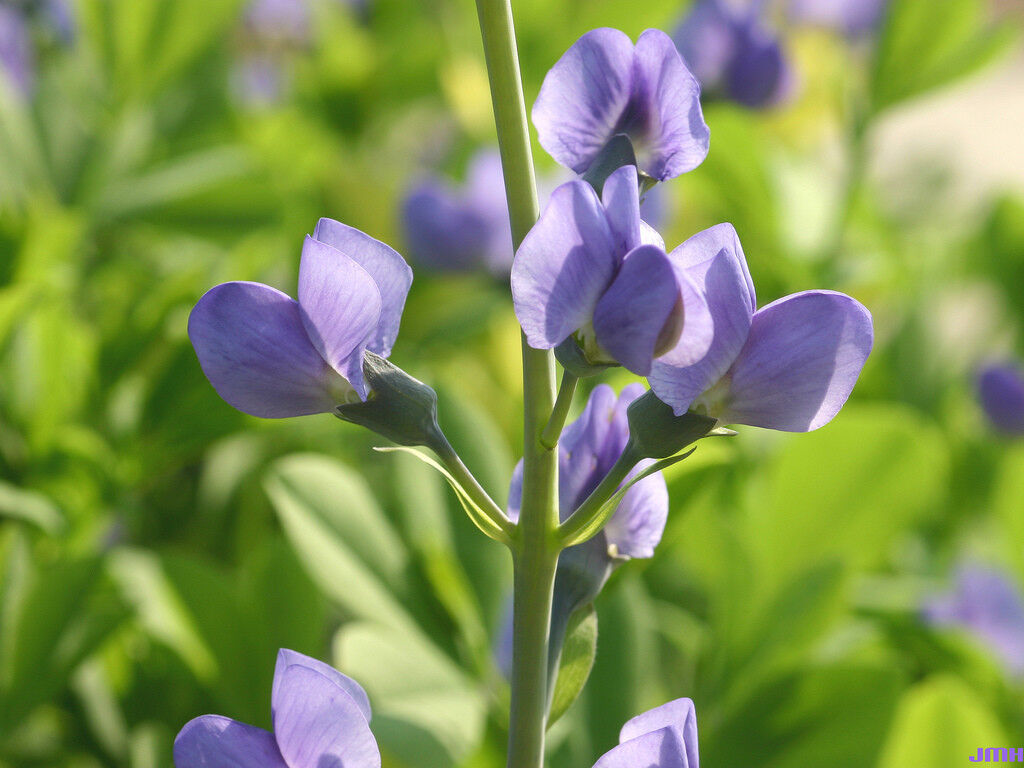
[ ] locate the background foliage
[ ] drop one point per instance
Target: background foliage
(157, 547)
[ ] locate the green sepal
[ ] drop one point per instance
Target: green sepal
(574, 360)
(655, 432)
(615, 154)
(399, 407)
(575, 661)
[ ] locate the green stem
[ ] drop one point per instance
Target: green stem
(853, 181)
(535, 550)
(591, 506)
(553, 430)
(454, 464)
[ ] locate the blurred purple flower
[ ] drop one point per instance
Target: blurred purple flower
(790, 365)
(16, 56)
(258, 80)
(590, 267)
(466, 229)
(734, 54)
(664, 737)
(987, 603)
(604, 85)
(279, 21)
(321, 720)
(1001, 392)
(271, 356)
(852, 18)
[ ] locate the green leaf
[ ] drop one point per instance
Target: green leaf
(940, 723)
(927, 45)
(340, 535)
(426, 712)
(32, 507)
(576, 661)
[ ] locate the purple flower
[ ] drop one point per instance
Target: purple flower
(271, 356)
(987, 603)
(604, 85)
(734, 54)
(280, 21)
(321, 720)
(587, 450)
(852, 18)
(664, 737)
(16, 60)
(790, 365)
(461, 229)
(1001, 392)
(591, 268)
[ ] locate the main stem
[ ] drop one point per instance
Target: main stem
(534, 551)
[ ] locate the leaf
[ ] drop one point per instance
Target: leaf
(487, 526)
(32, 507)
(927, 45)
(575, 662)
(940, 723)
(426, 712)
(338, 532)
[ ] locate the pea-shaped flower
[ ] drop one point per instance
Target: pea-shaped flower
(321, 718)
(271, 356)
(604, 85)
(790, 365)
(1001, 392)
(664, 737)
(590, 268)
(734, 54)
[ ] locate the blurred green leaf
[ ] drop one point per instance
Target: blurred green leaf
(32, 507)
(576, 661)
(923, 46)
(940, 723)
(426, 712)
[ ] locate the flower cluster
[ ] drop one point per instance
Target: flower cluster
(322, 719)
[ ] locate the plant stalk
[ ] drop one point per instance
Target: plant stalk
(534, 551)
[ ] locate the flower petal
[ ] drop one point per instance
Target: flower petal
(287, 658)
(639, 521)
(714, 261)
(485, 192)
(515, 493)
(563, 266)
(621, 200)
(630, 316)
(341, 308)
(706, 40)
(676, 132)
(581, 449)
(759, 75)
(254, 349)
(801, 360)
(679, 715)
(387, 268)
(212, 741)
(1001, 391)
(317, 723)
(658, 749)
(584, 96)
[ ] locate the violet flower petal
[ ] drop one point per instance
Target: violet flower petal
(675, 129)
(800, 363)
(678, 714)
(563, 266)
(212, 741)
(662, 748)
(759, 75)
(584, 96)
(630, 316)
(287, 658)
(441, 231)
(582, 453)
(317, 723)
(341, 308)
(253, 347)
(621, 200)
(639, 521)
(387, 268)
(485, 192)
(1001, 392)
(714, 261)
(707, 42)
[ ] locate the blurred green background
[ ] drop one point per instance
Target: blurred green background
(157, 547)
